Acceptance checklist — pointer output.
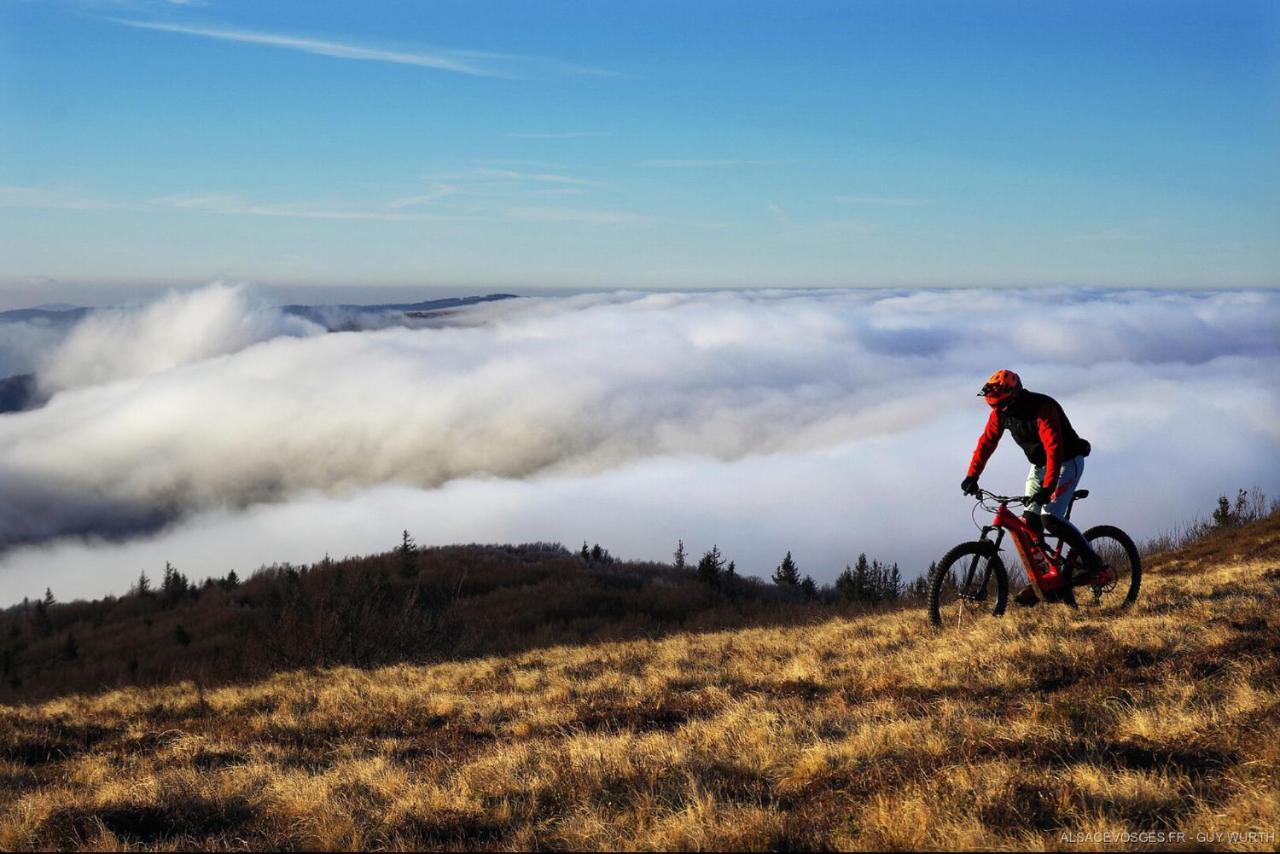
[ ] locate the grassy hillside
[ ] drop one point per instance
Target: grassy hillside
(865, 731)
(410, 605)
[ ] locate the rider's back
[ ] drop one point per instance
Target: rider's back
(1022, 418)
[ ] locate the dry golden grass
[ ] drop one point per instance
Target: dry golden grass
(851, 733)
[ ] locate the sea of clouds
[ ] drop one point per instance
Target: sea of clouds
(217, 432)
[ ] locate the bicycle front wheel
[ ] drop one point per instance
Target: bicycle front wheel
(970, 581)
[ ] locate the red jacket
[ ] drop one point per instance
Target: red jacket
(1040, 428)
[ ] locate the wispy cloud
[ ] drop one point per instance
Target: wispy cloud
(585, 216)
(881, 201)
(488, 186)
(53, 198)
(234, 203)
(441, 191)
(574, 134)
(469, 62)
(711, 163)
(476, 195)
(484, 175)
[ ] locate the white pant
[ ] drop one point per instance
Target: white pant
(1068, 479)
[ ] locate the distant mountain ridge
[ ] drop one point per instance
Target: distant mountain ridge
(50, 314)
(64, 313)
(349, 317)
(425, 305)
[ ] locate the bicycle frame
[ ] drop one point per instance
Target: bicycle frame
(1042, 566)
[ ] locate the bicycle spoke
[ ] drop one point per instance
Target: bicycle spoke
(1117, 573)
(970, 583)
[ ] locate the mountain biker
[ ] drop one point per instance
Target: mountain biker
(1056, 453)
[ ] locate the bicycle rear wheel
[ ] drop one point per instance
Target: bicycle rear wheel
(1121, 562)
(967, 583)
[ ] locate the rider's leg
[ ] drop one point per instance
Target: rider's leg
(1034, 477)
(1031, 515)
(1054, 513)
(1031, 512)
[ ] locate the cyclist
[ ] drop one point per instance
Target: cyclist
(1056, 453)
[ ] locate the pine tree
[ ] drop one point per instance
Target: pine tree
(730, 580)
(143, 587)
(787, 573)
(846, 586)
(407, 551)
(174, 585)
(586, 552)
(919, 588)
(710, 567)
(679, 555)
(43, 622)
(893, 589)
(862, 578)
(49, 597)
(808, 587)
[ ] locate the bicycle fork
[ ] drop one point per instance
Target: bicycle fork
(966, 588)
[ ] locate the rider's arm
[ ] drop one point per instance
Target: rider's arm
(1050, 430)
(986, 444)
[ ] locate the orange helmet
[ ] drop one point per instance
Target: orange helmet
(1001, 387)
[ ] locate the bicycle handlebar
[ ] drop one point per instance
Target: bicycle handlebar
(987, 495)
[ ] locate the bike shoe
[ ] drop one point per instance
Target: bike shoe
(1027, 598)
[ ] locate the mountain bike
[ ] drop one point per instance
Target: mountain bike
(971, 579)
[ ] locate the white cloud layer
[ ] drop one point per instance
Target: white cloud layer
(826, 423)
(175, 330)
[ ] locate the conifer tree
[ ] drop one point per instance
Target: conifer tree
(407, 551)
(893, 586)
(787, 574)
(174, 585)
(862, 578)
(808, 587)
(846, 586)
(679, 562)
(43, 622)
(710, 567)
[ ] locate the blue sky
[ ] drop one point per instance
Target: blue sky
(528, 145)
